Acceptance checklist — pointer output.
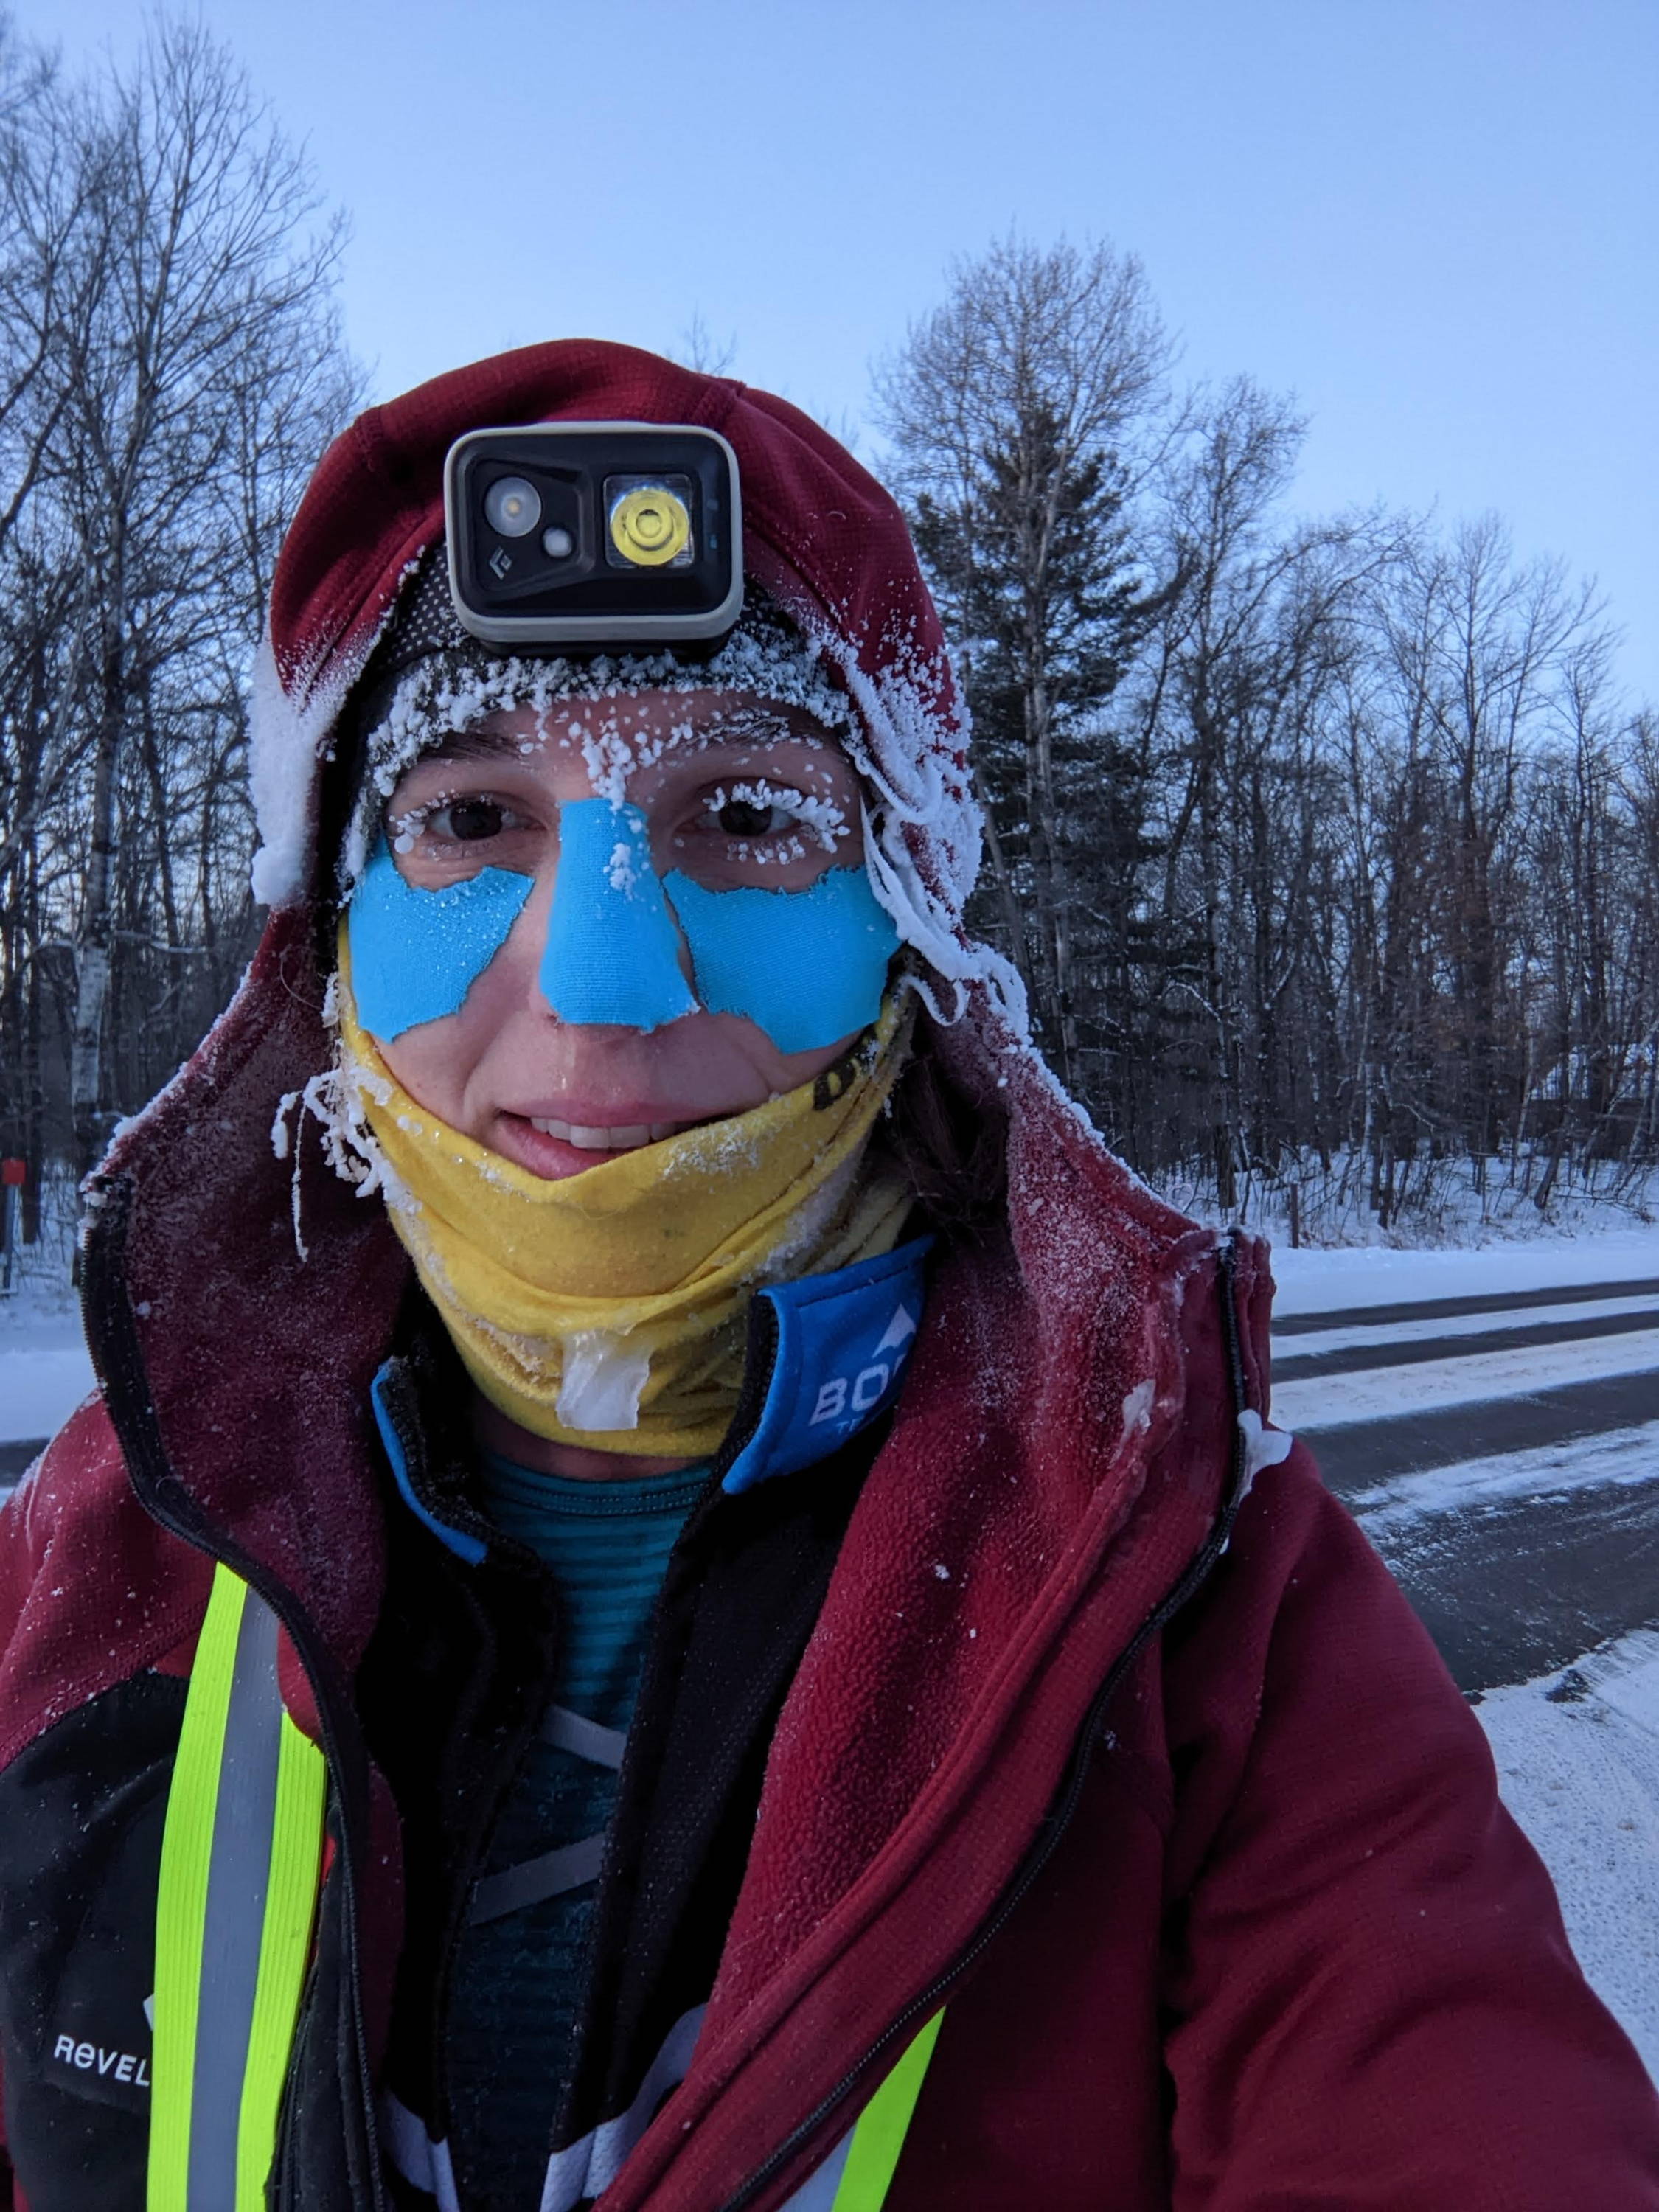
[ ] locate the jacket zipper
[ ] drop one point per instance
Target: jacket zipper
(1067, 1798)
(113, 1339)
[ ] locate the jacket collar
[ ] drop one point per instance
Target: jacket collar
(826, 1358)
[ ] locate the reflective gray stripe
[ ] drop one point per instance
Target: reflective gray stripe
(568, 1731)
(532, 1880)
(818, 2192)
(423, 2163)
(244, 1817)
(587, 2168)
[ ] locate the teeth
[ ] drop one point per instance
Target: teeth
(622, 1140)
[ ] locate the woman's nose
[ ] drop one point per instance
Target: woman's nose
(612, 954)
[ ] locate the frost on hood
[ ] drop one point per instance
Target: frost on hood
(292, 732)
(333, 1098)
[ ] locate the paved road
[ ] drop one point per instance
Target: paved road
(1519, 1564)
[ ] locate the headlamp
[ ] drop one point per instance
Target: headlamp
(594, 535)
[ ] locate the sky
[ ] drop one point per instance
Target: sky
(1435, 221)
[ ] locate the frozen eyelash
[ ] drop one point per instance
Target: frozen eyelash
(404, 830)
(815, 813)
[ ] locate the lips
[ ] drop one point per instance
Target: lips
(627, 1138)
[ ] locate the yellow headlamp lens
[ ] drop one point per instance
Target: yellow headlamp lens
(650, 525)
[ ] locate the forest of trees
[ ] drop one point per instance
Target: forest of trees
(1328, 849)
(170, 368)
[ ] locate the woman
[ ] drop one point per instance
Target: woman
(678, 1590)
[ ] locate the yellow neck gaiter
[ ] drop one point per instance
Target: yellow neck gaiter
(609, 1309)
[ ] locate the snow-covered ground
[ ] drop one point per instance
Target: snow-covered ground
(1578, 1757)
(1471, 1379)
(1377, 1275)
(45, 1372)
(1552, 1473)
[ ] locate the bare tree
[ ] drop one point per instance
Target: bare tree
(1325, 847)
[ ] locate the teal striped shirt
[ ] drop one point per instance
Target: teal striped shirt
(518, 1979)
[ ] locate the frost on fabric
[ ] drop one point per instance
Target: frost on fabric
(1263, 1447)
(333, 1099)
(291, 730)
(923, 825)
(1138, 1408)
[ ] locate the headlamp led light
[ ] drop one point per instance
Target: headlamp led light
(648, 524)
(594, 534)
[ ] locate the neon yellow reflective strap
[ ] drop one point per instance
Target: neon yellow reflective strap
(297, 1858)
(181, 1901)
(240, 1854)
(872, 2156)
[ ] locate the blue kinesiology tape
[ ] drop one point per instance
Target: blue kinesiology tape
(415, 954)
(612, 952)
(808, 967)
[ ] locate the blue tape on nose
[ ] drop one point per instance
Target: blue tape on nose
(612, 952)
(415, 954)
(810, 967)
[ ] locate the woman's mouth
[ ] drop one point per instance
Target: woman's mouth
(627, 1138)
(550, 1146)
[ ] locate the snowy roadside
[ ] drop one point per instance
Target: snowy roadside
(1578, 1756)
(1311, 1282)
(44, 1371)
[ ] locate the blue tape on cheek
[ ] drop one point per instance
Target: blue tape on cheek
(809, 967)
(612, 952)
(414, 954)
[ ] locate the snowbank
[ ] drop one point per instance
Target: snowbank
(45, 1371)
(1379, 1275)
(1578, 1757)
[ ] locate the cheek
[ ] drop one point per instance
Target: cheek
(808, 968)
(436, 1060)
(416, 954)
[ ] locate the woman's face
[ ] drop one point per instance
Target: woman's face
(735, 791)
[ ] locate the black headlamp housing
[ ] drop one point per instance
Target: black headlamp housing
(594, 534)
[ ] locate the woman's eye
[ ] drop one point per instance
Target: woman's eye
(464, 821)
(744, 818)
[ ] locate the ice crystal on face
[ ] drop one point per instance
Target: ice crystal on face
(620, 871)
(886, 700)
(334, 1099)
